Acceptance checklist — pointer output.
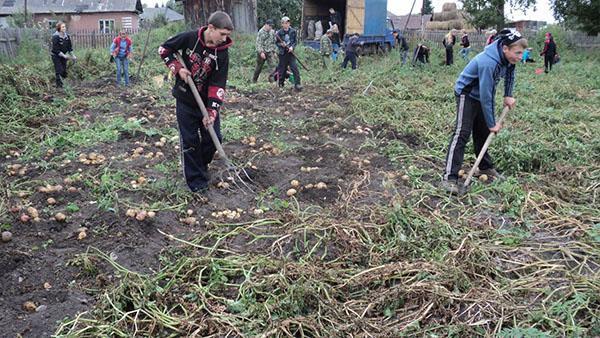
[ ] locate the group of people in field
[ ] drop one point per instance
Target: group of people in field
(549, 53)
(62, 50)
(203, 55)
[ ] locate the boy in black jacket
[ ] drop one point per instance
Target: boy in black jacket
(207, 61)
(286, 41)
(351, 51)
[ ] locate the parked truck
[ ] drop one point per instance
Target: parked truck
(366, 17)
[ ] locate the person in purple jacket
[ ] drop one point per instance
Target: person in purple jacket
(475, 90)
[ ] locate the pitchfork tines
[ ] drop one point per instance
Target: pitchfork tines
(234, 174)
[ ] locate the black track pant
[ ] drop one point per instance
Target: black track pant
(349, 57)
(286, 60)
(469, 118)
(197, 148)
(60, 69)
(548, 60)
(449, 55)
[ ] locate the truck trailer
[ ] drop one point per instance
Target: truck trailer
(365, 17)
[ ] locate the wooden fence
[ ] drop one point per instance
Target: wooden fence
(573, 39)
(11, 38)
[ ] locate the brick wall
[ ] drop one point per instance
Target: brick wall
(89, 21)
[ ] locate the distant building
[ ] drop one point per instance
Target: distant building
(94, 15)
(522, 25)
(415, 22)
(151, 14)
(242, 12)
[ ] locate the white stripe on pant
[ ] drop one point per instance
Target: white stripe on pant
(459, 118)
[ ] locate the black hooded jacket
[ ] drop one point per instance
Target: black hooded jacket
(209, 67)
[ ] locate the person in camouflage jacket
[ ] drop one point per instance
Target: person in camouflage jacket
(266, 50)
(326, 47)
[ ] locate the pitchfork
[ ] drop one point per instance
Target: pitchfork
(232, 173)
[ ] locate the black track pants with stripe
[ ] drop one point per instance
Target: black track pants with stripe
(469, 118)
(197, 148)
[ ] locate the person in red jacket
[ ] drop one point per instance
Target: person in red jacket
(549, 52)
(206, 57)
(120, 50)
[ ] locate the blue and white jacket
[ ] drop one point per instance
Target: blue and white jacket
(481, 76)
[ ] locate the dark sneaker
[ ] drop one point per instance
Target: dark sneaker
(451, 187)
(202, 190)
(491, 173)
(298, 88)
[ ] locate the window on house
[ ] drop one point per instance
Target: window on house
(52, 24)
(106, 26)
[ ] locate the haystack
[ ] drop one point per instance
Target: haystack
(449, 7)
(445, 25)
(446, 16)
(449, 18)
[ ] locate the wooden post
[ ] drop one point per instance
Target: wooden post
(94, 39)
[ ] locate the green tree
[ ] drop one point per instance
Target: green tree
(427, 8)
(490, 13)
(276, 9)
(177, 6)
(20, 19)
(578, 14)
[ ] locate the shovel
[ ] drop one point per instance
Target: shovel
(236, 175)
(486, 145)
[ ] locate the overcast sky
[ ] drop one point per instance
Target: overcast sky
(402, 7)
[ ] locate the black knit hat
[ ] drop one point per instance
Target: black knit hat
(509, 36)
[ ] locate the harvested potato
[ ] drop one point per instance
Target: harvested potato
(223, 185)
(188, 220)
(6, 236)
(29, 306)
(295, 183)
(321, 185)
(141, 215)
(60, 217)
(483, 178)
(33, 212)
(291, 192)
(130, 213)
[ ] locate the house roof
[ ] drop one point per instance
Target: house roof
(151, 13)
(69, 6)
(414, 23)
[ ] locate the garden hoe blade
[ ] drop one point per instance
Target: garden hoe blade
(465, 187)
(237, 176)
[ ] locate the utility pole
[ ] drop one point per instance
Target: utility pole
(25, 10)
